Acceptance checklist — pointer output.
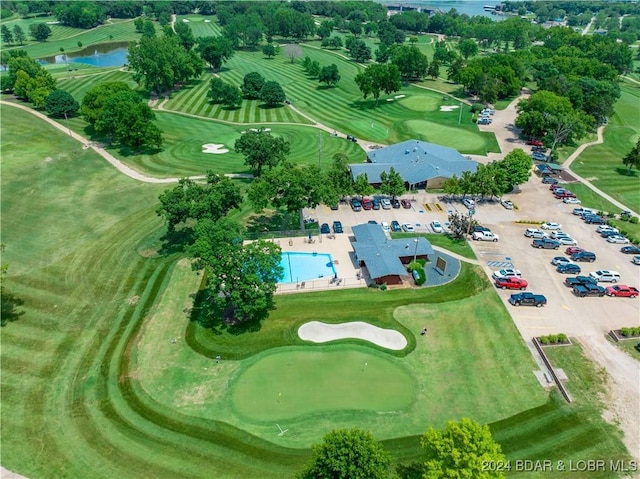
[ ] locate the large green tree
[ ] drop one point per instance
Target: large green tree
(19, 35)
(94, 100)
(189, 201)
(215, 50)
(261, 150)
(468, 48)
(391, 183)
(338, 179)
(411, 62)
(252, 84)
(272, 93)
(359, 51)
(223, 92)
(632, 159)
(61, 104)
(461, 450)
(329, 75)
(183, 30)
(40, 31)
(349, 454)
(516, 166)
(378, 78)
(241, 278)
(6, 34)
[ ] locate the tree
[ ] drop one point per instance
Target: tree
(468, 48)
(329, 75)
(19, 35)
(516, 166)
(292, 52)
(183, 30)
(459, 226)
(94, 100)
(5, 33)
(8, 301)
(349, 454)
(215, 50)
(359, 51)
(361, 185)
(632, 159)
(378, 78)
(434, 69)
(241, 279)
(411, 62)
(60, 104)
(461, 449)
(335, 42)
(272, 93)
(22, 9)
(222, 92)
(338, 179)
(190, 201)
(252, 84)
(391, 183)
(261, 149)
(246, 29)
(40, 31)
(269, 50)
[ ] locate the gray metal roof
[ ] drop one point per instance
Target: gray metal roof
(416, 161)
(381, 254)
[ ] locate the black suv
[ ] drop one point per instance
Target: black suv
(584, 256)
(583, 290)
(337, 227)
(594, 220)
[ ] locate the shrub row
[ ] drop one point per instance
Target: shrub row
(554, 339)
(626, 332)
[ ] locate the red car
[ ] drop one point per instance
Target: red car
(622, 291)
(564, 194)
(512, 282)
(367, 204)
(573, 249)
(405, 204)
(535, 143)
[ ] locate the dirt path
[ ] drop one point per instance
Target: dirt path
(7, 474)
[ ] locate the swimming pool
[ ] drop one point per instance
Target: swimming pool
(306, 266)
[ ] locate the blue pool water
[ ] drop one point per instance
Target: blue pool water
(306, 266)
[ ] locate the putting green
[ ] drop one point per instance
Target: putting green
(460, 139)
(421, 102)
(372, 128)
(293, 382)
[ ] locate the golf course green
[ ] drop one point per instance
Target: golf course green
(287, 383)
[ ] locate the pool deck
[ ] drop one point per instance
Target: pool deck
(349, 274)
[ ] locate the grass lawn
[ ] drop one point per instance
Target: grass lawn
(459, 246)
(629, 346)
(202, 25)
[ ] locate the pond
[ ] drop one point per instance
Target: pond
(113, 54)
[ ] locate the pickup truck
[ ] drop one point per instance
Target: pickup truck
(545, 243)
(484, 236)
(588, 289)
(573, 281)
(528, 299)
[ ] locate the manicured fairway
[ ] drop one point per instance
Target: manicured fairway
(291, 383)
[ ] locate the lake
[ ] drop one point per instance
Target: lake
(470, 7)
(113, 54)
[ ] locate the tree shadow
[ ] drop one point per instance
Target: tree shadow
(218, 319)
(625, 172)
(176, 241)
(230, 108)
(411, 471)
(364, 105)
(324, 87)
(10, 304)
(266, 106)
(149, 150)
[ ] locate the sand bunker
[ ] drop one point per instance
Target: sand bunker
(318, 332)
(448, 107)
(214, 148)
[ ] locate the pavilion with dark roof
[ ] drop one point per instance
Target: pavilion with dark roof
(385, 258)
(420, 164)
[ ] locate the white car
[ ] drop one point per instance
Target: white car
(549, 225)
(571, 201)
(617, 239)
(602, 228)
(385, 226)
(636, 260)
(436, 227)
(558, 234)
(385, 203)
(567, 241)
(605, 275)
(507, 204)
(506, 273)
(535, 233)
(469, 203)
(558, 260)
(408, 228)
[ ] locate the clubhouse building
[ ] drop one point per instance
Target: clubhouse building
(420, 164)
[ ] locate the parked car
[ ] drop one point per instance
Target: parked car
(436, 227)
(545, 243)
(572, 250)
(584, 290)
(622, 291)
(395, 203)
(576, 280)
(584, 256)
(385, 226)
(594, 220)
(469, 203)
(324, 229)
(569, 268)
(528, 299)
(406, 204)
(631, 249)
(567, 240)
(536, 155)
(602, 228)
(558, 234)
(484, 121)
(564, 194)
(480, 228)
(571, 200)
(635, 260)
(367, 204)
(337, 227)
(372, 222)
(385, 203)
(506, 273)
(606, 233)
(484, 236)
(549, 180)
(512, 283)
(356, 205)
(334, 207)
(555, 186)
(605, 276)
(560, 260)
(395, 226)
(376, 203)
(617, 239)
(534, 142)
(507, 204)
(579, 211)
(534, 233)
(550, 225)
(408, 228)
